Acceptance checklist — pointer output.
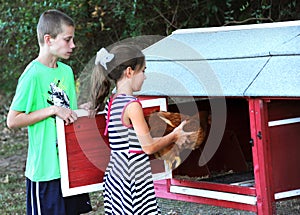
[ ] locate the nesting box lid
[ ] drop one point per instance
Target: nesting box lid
(246, 60)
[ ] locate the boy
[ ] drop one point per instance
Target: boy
(46, 89)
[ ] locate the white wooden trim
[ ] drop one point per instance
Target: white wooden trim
(63, 161)
(229, 196)
(284, 121)
(238, 27)
(161, 102)
(82, 189)
(251, 200)
(162, 175)
(244, 183)
(287, 194)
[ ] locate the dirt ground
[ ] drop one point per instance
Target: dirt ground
(13, 149)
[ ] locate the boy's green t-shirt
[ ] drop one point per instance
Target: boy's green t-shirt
(33, 93)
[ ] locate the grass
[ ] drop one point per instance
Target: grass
(13, 195)
(12, 180)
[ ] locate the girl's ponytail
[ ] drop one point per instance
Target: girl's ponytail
(109, 68)
(100, 88)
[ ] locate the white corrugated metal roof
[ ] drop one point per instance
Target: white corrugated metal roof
(248, 60)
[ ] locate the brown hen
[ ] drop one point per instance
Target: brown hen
(162, 123)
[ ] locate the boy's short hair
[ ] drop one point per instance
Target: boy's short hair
(51, 22)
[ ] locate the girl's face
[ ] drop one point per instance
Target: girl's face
(62, 46)
(138, 78)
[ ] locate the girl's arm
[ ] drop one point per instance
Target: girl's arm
(16, 119)
(134, 114)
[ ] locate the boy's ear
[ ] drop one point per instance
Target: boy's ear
(47, 39)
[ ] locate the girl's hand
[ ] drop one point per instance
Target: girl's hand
(182, 136)
(87, 106)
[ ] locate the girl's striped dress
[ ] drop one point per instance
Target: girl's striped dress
(128, 185)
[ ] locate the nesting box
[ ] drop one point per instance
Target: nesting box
(248, 78)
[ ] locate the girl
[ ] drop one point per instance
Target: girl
(128, 185)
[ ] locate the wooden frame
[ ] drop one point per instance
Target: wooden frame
(274, 126)
(84, 151)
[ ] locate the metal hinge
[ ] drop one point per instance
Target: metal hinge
(259, 135)
(251, 141)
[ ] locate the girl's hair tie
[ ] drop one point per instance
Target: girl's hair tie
(103, 57)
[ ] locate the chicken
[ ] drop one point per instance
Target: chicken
(162, 123)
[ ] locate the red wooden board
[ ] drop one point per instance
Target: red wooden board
(87, 151)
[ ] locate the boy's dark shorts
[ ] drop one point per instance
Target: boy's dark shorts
(46, 198)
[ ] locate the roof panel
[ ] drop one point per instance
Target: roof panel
(290, 47)
(239, 42)
(280, 77)
(201, 78)
(254, 60)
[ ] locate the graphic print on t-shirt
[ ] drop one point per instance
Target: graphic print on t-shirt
(58, 97)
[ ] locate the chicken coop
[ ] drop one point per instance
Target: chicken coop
(244, 84)
(248, 79)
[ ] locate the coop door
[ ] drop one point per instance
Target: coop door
(84, 151)
(160, 169)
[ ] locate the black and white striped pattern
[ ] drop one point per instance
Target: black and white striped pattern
(128, 180)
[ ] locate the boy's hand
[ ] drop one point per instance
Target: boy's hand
(68, 115)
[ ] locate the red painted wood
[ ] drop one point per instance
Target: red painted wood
(87, 151)
(157, 166)
(215, 187)
(262, 157)
(234, 152)
(161, 190)
(285, 145)
(275, 159)
(285, 153)
(283, 109)
(190, 166)
(229, 156)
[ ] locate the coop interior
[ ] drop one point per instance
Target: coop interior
(232, 162)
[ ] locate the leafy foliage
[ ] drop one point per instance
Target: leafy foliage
(101, 23)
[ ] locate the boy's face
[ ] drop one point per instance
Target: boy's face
(62, 46)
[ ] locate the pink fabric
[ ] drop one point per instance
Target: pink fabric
(136, 151)
(108, 115)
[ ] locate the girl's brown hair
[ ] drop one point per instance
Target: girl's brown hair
(102, 79)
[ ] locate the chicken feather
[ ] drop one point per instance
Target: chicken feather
(162, 123)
